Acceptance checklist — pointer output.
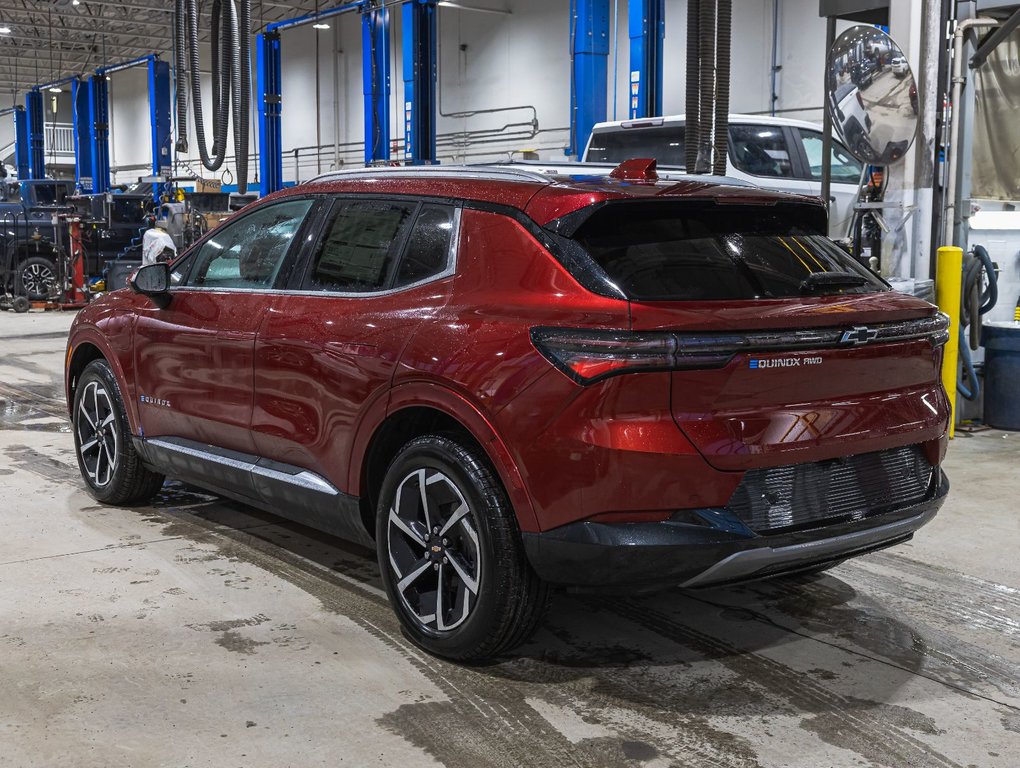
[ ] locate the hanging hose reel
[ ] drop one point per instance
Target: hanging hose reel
(230, 40)
(980, 293)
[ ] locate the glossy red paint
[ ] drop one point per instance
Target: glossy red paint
(308, 379)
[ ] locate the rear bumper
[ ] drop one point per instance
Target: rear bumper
(653, 555)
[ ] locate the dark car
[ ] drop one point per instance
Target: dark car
(503, 380)
(862, 72)
(29, 244)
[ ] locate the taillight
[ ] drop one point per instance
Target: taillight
(590, 355)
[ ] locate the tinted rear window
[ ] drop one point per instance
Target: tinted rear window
(664, 143)
(668, 252)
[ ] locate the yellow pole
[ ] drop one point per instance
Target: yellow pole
(948, 280)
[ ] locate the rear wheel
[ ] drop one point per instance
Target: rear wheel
(38, 277)
(112, 469)
(451, 555)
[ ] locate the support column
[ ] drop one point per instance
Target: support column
(589, 24)
(159, 118)
(99, 127)
(647, 32)
(21, 153)
(36, 137)
(270, 99)
(418, 24)
(375, 46)
(82, 136)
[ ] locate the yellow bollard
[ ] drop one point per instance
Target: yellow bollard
(948, 280)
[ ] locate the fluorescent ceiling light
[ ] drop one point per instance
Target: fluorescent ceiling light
(5, 30)
(320, 25)
(56, 89)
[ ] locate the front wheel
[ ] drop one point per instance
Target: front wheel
(112, 469)
(451, 555)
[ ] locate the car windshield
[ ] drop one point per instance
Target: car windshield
(665, 143)
(672, 252)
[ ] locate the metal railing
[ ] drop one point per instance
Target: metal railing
(59, 138)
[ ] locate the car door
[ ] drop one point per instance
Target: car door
(194, 358)
(764, 155)
(845, 178)
(327, 350)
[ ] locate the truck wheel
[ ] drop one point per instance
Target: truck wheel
(451, 555)
(38, 277)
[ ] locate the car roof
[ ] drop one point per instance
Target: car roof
(734, 119)
(545, 191)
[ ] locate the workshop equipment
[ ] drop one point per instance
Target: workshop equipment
(1002, 374)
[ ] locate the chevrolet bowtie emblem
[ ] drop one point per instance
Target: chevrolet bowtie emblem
(859, 334)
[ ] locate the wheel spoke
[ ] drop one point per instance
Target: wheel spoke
(108, 419)
(404, 526)
(85, 413)
(419, 569)
(440, 624)
(89, 445)
(458, 515)
(466, 579)
(424, 499)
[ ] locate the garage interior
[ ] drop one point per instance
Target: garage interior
(199, 631)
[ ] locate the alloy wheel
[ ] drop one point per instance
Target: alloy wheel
(97, 433)
(432, 543)
(36, 279)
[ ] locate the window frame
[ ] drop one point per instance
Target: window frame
(298, 246)
(793, 151)
(806, 163)
(300, 278)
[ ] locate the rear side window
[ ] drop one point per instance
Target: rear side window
(665, 143)
(760, 150)
(670, 252)
(361, 246)
(429, 246)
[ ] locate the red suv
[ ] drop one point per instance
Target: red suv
(503, 379)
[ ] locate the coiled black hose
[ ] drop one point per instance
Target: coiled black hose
(724, 25)
(976, 301)
(706, 46)
(693, 106)
(230, 40)
(180, 86)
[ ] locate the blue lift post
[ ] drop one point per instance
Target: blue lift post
(99, 130)
(83, 178)
(36, 137)
(21, 152)
(418, 25)
(647, 32)
(589, 20)
(267, 67)
(375, 50)
(159, 118)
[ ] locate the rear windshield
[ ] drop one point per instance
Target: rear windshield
(664, 143)
(666, 252)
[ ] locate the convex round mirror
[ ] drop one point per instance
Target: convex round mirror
(872, 96)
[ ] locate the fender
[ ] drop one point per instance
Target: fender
(457, 406)
(91, 334)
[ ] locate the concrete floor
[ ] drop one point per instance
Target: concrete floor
(197, 632)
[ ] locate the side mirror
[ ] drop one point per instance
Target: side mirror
(153, 280)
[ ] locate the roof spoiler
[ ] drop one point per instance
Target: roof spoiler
(638, 169)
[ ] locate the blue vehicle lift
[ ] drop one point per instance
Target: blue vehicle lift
(36, 138)
(647, 25)
(21, 153)
(418, 23)
(419, 53)
(589, 55)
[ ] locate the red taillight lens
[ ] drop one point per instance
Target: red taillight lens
(588, 356)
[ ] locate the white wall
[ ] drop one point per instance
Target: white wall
(488, 61)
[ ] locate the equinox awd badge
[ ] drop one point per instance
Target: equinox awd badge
(784, 362)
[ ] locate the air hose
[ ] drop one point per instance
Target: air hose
(978, 299)
(230, 41)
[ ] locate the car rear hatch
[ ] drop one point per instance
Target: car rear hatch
(780, 347)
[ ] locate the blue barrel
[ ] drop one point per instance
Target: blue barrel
(1002, 374)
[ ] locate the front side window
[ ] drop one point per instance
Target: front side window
(668, 252)
(249, 252)
(360, 247)
(760, 150)
(845, 168)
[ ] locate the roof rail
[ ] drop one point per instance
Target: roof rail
(435, 171)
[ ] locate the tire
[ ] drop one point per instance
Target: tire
(38, 276)
(21, 304)
(111, 468)
(444, 518)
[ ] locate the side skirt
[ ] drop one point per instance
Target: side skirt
(281, 489)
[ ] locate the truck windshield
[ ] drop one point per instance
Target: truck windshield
(679, 252)
(49, 194)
